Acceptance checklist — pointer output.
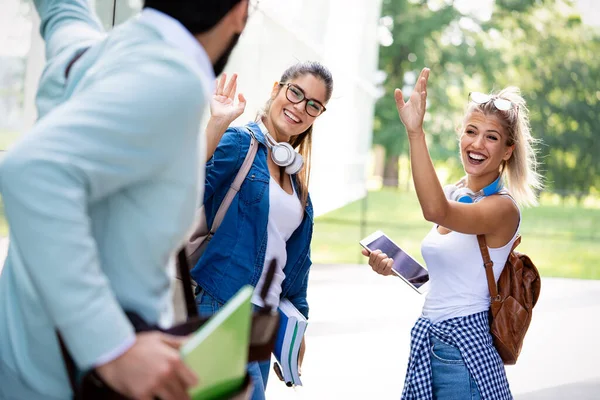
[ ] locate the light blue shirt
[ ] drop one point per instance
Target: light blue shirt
(100, 193)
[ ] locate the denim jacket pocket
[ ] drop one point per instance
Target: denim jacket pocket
(254, 186)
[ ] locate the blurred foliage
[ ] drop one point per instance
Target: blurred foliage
(561, 237)
(540, 46)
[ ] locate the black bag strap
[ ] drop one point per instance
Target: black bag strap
(186, 281)
(192, 312)
(258, 350)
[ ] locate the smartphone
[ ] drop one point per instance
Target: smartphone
(405, 267)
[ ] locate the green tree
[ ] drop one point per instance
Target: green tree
(552, 57)
(412, 25)
(459, 49)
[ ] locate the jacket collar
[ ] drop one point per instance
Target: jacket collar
(258, 133)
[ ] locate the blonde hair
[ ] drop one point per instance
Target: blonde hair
(520, 171)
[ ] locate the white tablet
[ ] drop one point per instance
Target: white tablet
(405, 267)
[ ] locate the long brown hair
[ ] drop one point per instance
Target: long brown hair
(303, 142)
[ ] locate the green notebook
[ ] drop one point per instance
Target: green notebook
(218, 351)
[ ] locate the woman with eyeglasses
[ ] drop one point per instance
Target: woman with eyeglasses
(271, 218)
(452, 355)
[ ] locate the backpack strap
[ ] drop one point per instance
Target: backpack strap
(186, 281)
(516, 243)
(489, 271)
(182, 262)
(237, 183)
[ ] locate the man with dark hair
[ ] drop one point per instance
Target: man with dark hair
(199, 17)
(101, 193)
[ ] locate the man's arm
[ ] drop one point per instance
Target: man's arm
(120, 130)
(65, 23)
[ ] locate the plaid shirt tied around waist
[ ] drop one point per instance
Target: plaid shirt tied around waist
(471, 335)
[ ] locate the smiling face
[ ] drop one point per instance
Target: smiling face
(287, 119)
(483, 146)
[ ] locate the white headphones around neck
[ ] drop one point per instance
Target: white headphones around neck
(283, 154)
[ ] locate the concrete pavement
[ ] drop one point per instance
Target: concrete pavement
(359, 332)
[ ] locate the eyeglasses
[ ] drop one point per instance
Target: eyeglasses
(296, 95)
(500, 103)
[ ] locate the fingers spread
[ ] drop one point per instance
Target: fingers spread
(424, 79)
(221, 84)
(399, 98)
(241, 103)
(231, 87)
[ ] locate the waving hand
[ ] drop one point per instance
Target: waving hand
(413, 111)
(222, 105)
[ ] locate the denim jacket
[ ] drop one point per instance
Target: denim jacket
(236, 254)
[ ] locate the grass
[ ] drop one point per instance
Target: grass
(562, 240)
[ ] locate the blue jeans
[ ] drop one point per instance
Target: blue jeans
(258, 370)
(450, 377)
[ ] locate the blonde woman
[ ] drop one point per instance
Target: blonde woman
(452, 355)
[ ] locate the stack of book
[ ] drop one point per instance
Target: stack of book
(292, 326)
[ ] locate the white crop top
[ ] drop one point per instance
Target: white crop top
(458, 284)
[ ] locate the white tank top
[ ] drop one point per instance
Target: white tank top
(458, 284)
(285, 216)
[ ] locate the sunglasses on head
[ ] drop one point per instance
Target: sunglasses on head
(500, 103)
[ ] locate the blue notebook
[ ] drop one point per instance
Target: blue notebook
(292, 326)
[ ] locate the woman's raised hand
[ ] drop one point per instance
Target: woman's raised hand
(413, 111)
(222, 105)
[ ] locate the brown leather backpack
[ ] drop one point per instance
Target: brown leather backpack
(513, 299)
